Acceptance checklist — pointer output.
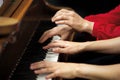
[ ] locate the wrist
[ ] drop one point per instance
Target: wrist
(85, 46)
(88, 26)
(87, 71)
(82, 71)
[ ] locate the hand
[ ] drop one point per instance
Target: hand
(67, 47)
(72, 19)
(55, 69)
(72, 70)
(64, 31)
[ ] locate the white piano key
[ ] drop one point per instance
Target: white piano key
(50, 56)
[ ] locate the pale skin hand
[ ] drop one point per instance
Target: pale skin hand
(66, 47)
(56, 69)
(94, 72)
(72, 70)
(74, 20)
(64, 31)
(110, 46)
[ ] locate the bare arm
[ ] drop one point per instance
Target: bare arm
(72, 70)
(110, 46)
(95, 72)
(104, 46)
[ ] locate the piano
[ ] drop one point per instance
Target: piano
(34, 18)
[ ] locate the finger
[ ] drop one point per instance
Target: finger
(54, 17)
(56, 43)
(62, 22)
(46, 35)
(61, 17)
(38, 65)
(43, 70)
(60, 12)
(59, 50)
(65, 10)
(52, 75)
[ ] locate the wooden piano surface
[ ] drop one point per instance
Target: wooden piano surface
(34, 16)
(8, 58)
(15, 8)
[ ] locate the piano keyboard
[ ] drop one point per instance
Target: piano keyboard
(50, 56)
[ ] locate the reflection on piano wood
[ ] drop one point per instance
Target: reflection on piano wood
(14, 8)
(34, 19)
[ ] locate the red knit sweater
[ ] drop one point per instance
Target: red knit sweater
(106, 25)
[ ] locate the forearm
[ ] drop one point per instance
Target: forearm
(94, 72)
(104, 46)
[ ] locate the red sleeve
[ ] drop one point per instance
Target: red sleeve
(105, 31)
(106, 25)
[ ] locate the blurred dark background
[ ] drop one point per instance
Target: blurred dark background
(87, 7)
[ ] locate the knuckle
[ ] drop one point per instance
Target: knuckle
(72, 13)
(63, 16)
(58, 49)
(44, 63)
(51, 33)
(63, 9)
(48, 69)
